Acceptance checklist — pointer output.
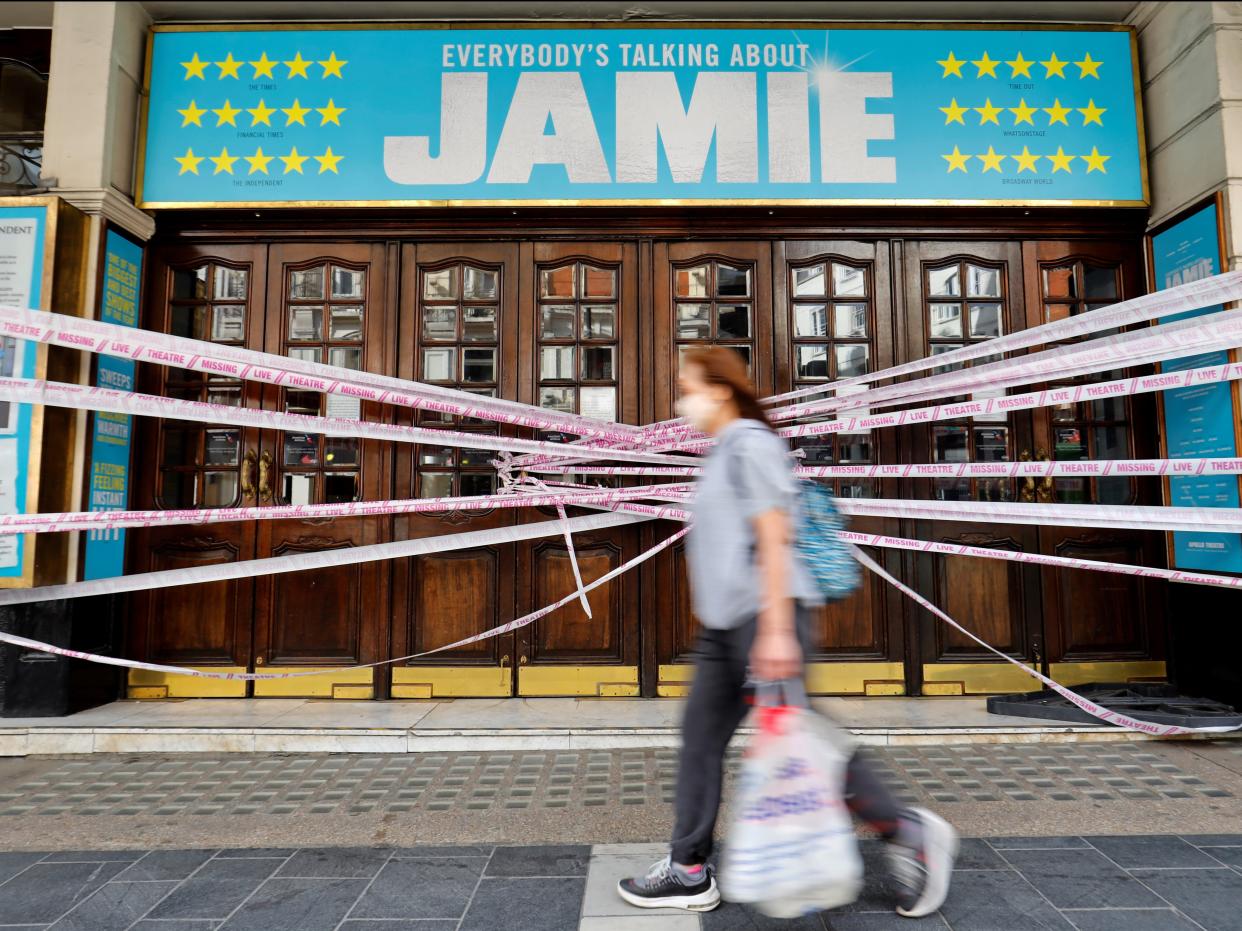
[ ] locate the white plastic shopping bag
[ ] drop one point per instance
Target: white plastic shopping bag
(791, 847)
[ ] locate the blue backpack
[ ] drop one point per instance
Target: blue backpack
(827, 557)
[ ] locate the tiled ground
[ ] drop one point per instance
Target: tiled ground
(1142, 883)
(322, 784)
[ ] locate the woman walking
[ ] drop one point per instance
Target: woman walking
(753, 597)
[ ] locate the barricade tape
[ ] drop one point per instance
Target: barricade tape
(1093, 709)
(252, 676)
(233, 361)
(84, 397)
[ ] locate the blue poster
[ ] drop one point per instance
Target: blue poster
(110, 439)
(425, 116)
(23, 231)
(1198, 422)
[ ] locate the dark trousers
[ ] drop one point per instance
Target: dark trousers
(716, 707)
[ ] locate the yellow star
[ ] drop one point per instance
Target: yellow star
(1026, 161)
(1022, 113)
(258, 161)
(226, 114)
(297, 67)
(1088, 66)
(1056, 113)
(327, 161)
(1095, 161)
(224, 162)
(991, 161)
(988, 113)
(333, 65)
(293, 161)
(951, 65)
(1060, 161)
(986, 66)
(331, 113)
(956, 160)
(228, 67)
(1053, 66)
(195, 68)
(1020, 66)
(295, 114)
(192, 114)
(1091, 113)
(188, 162)
(953, 113)
(261, 114)
(263, 67)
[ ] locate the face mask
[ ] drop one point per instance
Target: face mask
(699, 409)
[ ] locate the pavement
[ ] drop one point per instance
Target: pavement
(1140, 836)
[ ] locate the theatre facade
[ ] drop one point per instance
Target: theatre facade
(553, 214)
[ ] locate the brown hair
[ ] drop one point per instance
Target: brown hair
(721, 366)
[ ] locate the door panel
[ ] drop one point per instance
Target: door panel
(455, 298)
(579, 353)
(213, 293)
(326, 302)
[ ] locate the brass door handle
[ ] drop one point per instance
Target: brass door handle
(265, 469)
(1046, 490)
(247, 475)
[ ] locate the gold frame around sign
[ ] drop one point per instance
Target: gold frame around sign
(1140, 128)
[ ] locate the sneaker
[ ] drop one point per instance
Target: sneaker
(923, 873)
(665, 886)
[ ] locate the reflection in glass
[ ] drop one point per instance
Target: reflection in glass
(1053, 312)
(817, 449)
(1110, 442)
(190, 283)
(694, 321)
(346, 322)
(599, 321)
(301, 449)
(340, 487)
(556, 363)
(1113, 490)
(557, 399)
(991, 444)
(474, 484)
(180, 446)
(478, 365)
(854, 448)
(732, 282)
(940, 349)
(810, 320)
(600, 403)
(985, 320)
(439, 323)
(435, 455)
(946, 321)
(950, 444)
(305, 323)
(475, 457)
(230, 283)
(597, 363)
(177, 489)
(221, 447)
(189, 321)
(299, 489)
(438, 365)
(306, 285)
(306, 355)
(479, 325)
(340, 451)
(691, 282)
(1059, 282)
(744, 352)
(1109, 409)
(849, 320)
(1099, 283)
(851, 360)
(598, 282)
(809, 282)
(1069, 444)
(219, 489)
(945, 282)
(480, 284)
(813, 362)
(557, 321)
(733, 321)
(1071, 490)
(982, 282)
(848, 281)
(440, 285)
(346, 358)
(435, 484)
(224, 393)
(347, 282)
(557, 282)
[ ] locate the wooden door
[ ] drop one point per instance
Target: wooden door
(213, 293)
(458, 327)
(1098, 626)
(704, 294)
(327, 302)
(957, 294)
(578, 352)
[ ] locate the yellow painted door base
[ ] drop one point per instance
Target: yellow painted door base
(598, 681)
(350, 683)
(1081, 673)
(452, 681)
(821, 679)
(146, 683)
(975, 679)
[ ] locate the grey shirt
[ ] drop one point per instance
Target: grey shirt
(748, 472)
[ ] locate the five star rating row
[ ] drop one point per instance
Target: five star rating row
(1023, 113)
(1019, 67)
(262, 114)
(1027, 160)
(258, 162)
(264, 67)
